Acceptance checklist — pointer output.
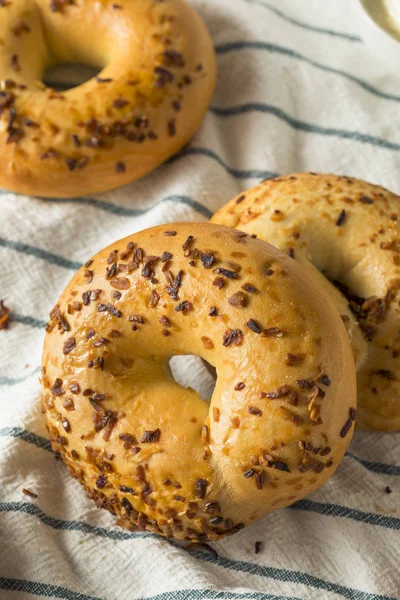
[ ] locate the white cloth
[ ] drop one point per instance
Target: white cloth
(297, 90)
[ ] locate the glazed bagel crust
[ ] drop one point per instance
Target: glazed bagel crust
(348, 230)
(157, 77)
(155, 453)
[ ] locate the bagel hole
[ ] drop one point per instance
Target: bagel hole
(368, 311)
(194, 372)
(65, 76)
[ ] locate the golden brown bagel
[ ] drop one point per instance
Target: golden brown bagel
(157, 78)
(348, 230)
(155, 453)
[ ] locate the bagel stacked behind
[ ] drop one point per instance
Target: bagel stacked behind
(155, 453)
(157, 77)
(344, 231)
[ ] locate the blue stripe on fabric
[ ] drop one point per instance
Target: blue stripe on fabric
(238, 173)
(277, 574)
(287, 575)
(60, 261)
(346, 36)
(15, 380)
(45, 590)
(31, 509)
(201, 594)
(27, 436)
(364, 138)
(274, 48)
(27, 320)
(112, 208)
(48, 257)
(337, 510)
(48, 590)
(376, 467)
(125, 211)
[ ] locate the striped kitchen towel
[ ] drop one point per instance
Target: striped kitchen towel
(298, 89)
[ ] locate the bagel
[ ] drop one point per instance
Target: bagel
(156, 81)
(153, 452)
(345, 230)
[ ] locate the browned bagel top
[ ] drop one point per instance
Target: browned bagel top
(349, 231)
(157, 75)
(281, 415)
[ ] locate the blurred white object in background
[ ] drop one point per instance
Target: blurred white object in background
(380, 23)
(392, 10)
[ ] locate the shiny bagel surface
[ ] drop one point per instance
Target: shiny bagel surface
(155, 453)
(347, 230)
(156, 79)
